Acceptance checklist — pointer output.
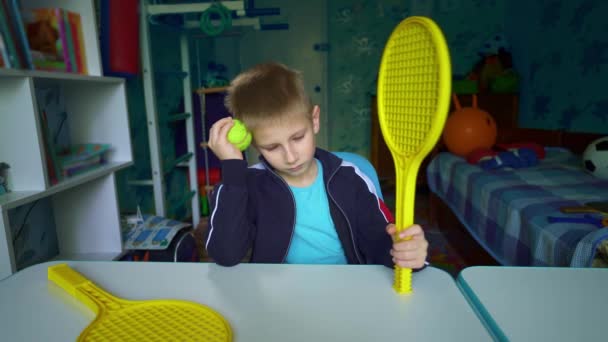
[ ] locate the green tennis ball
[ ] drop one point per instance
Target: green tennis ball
(239, 136)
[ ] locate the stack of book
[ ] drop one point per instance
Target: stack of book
(14, 47)
(81, 158)
(41, 38)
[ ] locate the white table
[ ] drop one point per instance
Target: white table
(261, 302)
(539, 303)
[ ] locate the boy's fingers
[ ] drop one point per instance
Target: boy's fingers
(404, 255)
(212, 133)
(391, 229)
(219, 129)
(223, 130)
(410, 245)
(412, 231)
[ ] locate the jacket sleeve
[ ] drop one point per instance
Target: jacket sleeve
(230, 231)
(374, 242)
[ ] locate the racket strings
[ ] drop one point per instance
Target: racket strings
(160, 322)
(411, 88)
(152, 321)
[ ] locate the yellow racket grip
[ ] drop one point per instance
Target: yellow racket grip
(403, 276)
(72, 282)
(403, 280)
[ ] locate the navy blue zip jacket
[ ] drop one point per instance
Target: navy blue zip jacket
(253, 208)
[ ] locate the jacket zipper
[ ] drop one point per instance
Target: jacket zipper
(293, 226)
(352, 235)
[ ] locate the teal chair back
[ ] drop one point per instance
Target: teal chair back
(365, 166)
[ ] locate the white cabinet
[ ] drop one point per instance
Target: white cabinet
(85, 206)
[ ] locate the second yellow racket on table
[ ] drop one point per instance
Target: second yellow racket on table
(414, 86)
(147, 320)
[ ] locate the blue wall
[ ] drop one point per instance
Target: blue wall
(561, 50)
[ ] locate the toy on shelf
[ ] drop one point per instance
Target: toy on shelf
(595, 158)
(216, 75)
(140, 320)
(468, 129)
(493, 72)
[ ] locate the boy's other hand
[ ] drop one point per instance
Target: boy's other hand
(408, 253)
(218, 140)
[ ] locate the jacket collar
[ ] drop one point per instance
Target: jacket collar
(329, 161)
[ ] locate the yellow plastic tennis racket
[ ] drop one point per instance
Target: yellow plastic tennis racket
(414, 88)
(149, 320)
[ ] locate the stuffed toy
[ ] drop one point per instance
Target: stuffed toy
(516, 155)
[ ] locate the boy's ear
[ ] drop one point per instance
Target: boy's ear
(316, 113)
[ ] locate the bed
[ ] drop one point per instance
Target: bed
(505, 211)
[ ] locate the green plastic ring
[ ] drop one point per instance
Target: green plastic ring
(225, 19)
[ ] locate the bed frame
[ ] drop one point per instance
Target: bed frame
(441, 215)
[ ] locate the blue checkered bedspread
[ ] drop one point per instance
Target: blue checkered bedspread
(506, 210)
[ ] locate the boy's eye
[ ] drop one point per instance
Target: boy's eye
(300, 137)
(271, 148)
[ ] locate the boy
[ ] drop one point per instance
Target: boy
(301, 204)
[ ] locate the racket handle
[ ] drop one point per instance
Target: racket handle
(403, 280)
(83, 289)
(68, 279)
(76, 285)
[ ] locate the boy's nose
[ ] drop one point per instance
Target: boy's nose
(290, 155)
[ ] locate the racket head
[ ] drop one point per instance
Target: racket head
(149, 320)
(414, 86)
(158, 320)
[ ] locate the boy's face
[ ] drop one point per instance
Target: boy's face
(289, 146)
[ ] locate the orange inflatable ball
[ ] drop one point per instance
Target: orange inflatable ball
(468, 129)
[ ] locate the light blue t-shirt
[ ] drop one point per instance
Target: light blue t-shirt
(315, 240)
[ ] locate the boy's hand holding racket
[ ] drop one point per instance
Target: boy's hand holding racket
(409, 246)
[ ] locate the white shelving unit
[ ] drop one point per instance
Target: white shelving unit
(85, 206)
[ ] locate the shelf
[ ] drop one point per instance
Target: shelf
(17, 198)
(57, 75)
(211, 90)
(37, 105)
(193, 8)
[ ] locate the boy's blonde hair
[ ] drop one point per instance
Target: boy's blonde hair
(267, 92)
